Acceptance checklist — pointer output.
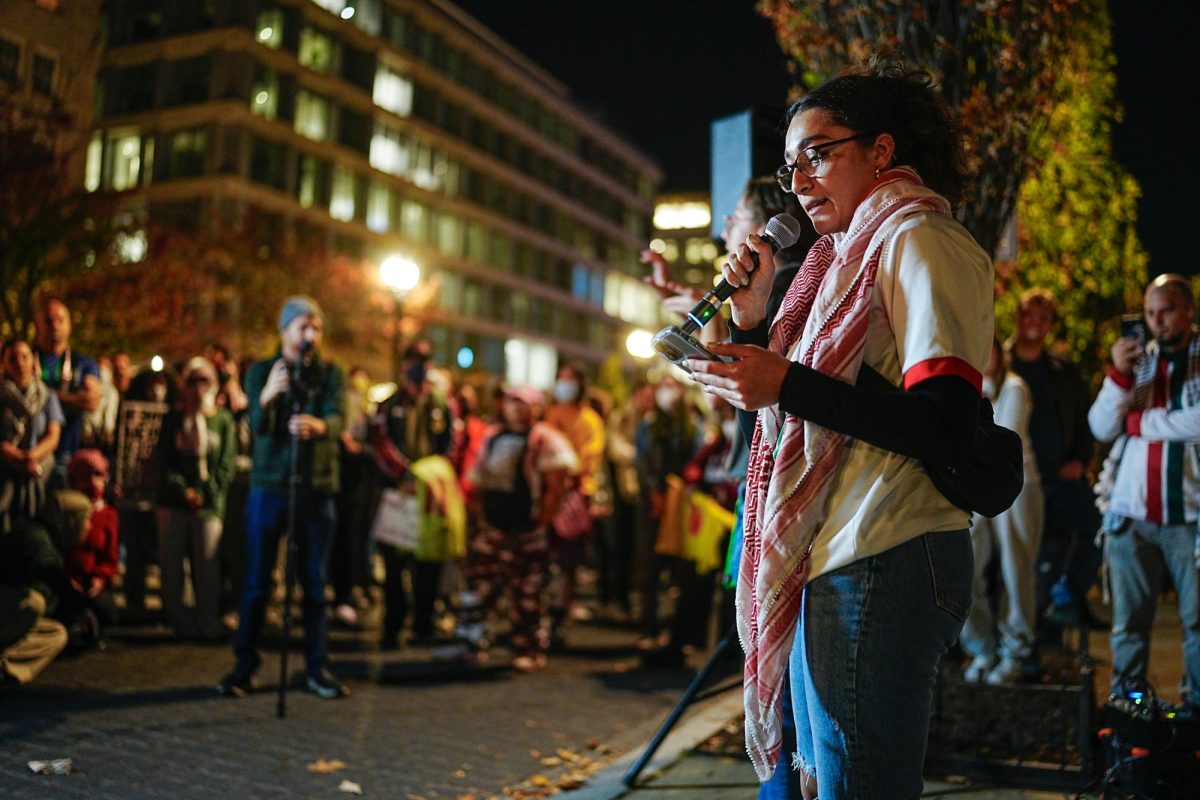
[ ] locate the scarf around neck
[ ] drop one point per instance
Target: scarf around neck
(822, 324)
(25, 404)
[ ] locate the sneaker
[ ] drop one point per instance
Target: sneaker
(1005, 673)
(459, 652)
(346, 615)
(529, 663)
(235, 684)
(325, 685)
(978, 668)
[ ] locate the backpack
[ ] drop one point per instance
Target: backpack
(990, 476)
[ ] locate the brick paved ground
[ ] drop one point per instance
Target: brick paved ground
(142, 720)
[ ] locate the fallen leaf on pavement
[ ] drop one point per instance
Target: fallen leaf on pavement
(322, 767)
(460, 773)
(349, 787)
(540, 780)
(56, 766)
(551, 761)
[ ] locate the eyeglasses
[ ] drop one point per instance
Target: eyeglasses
(810, 161)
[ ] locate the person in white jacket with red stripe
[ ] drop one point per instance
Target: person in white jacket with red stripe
(1151, 397)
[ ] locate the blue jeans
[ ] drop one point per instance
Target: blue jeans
(865, 661)
(266, 522)
(785, 782)
(1140, 555)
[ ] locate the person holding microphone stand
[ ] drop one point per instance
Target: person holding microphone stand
(295, 398)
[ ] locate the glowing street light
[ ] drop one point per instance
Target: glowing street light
(638, 343)
(156, 364)
(401, 275)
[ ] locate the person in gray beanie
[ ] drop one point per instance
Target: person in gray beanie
(293, 393)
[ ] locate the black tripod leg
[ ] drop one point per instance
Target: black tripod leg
(681, 705)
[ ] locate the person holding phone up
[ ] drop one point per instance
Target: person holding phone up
(1150, 404)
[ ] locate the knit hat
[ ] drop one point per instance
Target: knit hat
(84, 464)
(300, 305)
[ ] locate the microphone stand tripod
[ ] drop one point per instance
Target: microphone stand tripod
(298, 398)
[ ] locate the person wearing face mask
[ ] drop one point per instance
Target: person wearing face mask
(1150, 405)
(413, 423)
(852, 555)
(196, 460)
(585, 431)
(666, 439)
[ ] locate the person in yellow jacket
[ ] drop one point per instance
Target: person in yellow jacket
(585, 431)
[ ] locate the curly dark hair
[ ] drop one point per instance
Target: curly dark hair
(884, 96)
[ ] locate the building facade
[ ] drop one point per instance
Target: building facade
(391, 126)
(49, 53)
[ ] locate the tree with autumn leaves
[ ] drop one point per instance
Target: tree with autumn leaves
(1033, 84)
(225, 282)
(49, 226)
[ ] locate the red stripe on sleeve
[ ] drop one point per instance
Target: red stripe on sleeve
(938, 367)
(1133, 423)
(1124, 381)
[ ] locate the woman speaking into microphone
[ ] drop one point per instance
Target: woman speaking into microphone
(857, 571)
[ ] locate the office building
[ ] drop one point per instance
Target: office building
(391, 126)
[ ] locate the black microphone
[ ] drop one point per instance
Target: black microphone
(304, 359)
(783, 231)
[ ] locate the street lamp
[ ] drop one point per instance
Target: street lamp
(401, 275)
(638, 343)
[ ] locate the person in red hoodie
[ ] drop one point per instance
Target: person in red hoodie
(91, 565)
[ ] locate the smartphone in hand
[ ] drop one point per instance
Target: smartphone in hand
(676, 346)
(1133, 326)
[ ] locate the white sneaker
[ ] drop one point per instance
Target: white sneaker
(1004, 673)
(978, 668)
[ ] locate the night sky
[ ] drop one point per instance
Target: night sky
(659, 71)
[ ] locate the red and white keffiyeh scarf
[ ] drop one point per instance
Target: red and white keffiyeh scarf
(822, 323)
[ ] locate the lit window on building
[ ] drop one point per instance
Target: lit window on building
(341, 196)
(188, 149)
(264, 96)
(306, 186)
(389, 150)
(694, 251)
(312, 116)
(269, 28)
(709, 251)
(530, 363)
(422, 170)
(131, 246)
(670, 250)
(449, 235)
(414, 221)
(393, 91)
(126, 160)
(95, 162)
(42, 74)
(379, 208)
(334, 6)
(316, 50)
(368, 15)
(682, 216)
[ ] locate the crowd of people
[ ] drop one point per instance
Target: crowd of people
(422, 514)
